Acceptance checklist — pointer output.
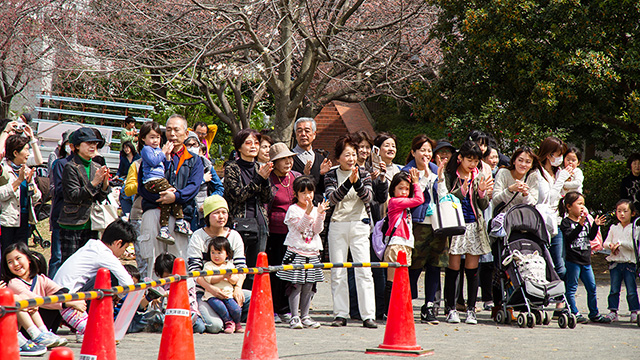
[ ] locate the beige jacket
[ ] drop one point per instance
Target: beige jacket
(10, 199)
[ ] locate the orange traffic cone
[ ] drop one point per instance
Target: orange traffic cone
(177, 332)
(99, 337)
(400, 332)
(8, 328)
(61, 353)
(260, 336)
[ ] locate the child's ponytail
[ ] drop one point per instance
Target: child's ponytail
(568, 200)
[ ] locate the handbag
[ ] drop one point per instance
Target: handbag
(102, 214)
(248, 228)
(379, 240)
(448, 219)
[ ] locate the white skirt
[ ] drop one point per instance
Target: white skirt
(470, 242)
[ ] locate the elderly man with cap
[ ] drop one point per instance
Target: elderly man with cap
(85, 182)
(184, 172)
(216, 212)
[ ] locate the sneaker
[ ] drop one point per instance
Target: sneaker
(600, 319)
(79, 337)
(239, 328)
(453, 317)
(62, 341)
(613, 316)
(277, 319)
(488, 305)
(634, 316)
(471, 318)
(308, 322)
(183, 227)
(229, 327)
(428, 314)
(32, 349)
(295, 323)
(48, 339)
(286, 317)
(165, 236)
(581, 319)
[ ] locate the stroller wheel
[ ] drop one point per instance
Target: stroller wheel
(546, 319)
(572, 321)
(563, 320)
(46, 244)
(501, 317)
(531, 320)
(522, 322)
(538, 315)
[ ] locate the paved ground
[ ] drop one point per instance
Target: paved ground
(485, 340)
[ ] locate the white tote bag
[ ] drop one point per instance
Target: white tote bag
(447, 218)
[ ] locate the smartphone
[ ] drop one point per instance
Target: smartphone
(375, 158)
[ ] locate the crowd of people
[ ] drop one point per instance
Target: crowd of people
(300, 207)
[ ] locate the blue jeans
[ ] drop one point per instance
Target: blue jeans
(558, 254)
(126, 202)
(198, 324)
(585, 274)
(227, 309)
(626, 272)
(56, 253)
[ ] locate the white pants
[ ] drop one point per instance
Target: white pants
(150, 247)
(353, 235)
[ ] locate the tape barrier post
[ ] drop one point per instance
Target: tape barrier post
(400, 331)
(177, 332)
(99, 339)
(8, 328)
(260, 336)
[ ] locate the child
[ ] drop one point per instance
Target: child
(163, 267)
(622, 261)
(577, 233)
(572, 159)
(305, 222)
(153, 158)
(631, 183)
(228, 308)
(21, 274)
(405, 194)
(465, 180)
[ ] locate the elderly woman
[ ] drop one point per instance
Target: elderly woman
(85, 182)
(19, 194)
(247, 190)
(281, 179)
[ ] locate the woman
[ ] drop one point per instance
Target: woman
(516, 184)
(430, 251)
(216, 216)
(265, 145)
(128, 155)
(549, 188)
(19, 194)
(348, 188)
(85, 183)
(387, 145)
(281, 179)
(60, 152)
(247, 190)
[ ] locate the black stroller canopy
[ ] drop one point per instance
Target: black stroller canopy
(525, 218)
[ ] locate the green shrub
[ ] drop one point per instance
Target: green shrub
(602, 183)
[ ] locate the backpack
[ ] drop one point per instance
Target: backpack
(379, 240)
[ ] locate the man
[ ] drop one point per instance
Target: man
(79, 271)
(308, 161)
(129, 132)
(185, 173)
(205, 133)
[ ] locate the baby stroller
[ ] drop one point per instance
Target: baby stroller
(42, 208)
(528, 282)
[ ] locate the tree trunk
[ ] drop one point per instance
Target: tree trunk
(5, 105)
(283, 124)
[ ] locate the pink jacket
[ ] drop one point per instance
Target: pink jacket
(397, 207)
(43, 287)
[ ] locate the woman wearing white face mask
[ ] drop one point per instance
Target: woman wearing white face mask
(549, 187)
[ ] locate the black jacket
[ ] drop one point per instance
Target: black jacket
(78, 193)
(298, 166)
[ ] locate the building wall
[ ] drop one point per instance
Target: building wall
(329, 128)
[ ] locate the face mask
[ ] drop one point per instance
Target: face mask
(556, 161)
(195, 151)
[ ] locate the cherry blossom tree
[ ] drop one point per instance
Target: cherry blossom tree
(304, 53)
(30, 43)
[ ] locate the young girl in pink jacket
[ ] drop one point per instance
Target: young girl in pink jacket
(405, 193)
